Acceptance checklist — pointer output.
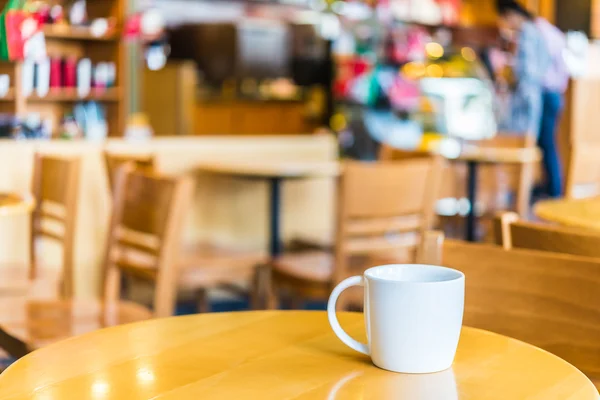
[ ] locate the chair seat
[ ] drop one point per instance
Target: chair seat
(14, 280)
(200, 266)
(314, 266)
(42, 322)
(207, 266)
(317, 266)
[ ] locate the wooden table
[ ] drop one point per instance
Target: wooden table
(274, 173)
(275, 355)
(580, 213)
(14, 204)
(474, 155)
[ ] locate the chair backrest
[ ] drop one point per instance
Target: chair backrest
(55, 187)
(114, 161)
(516, 178)
(145, 234)
(547, 299)
(452, 180)
(493, 179)
(583, 172)
(511, 232)
(389, 153)
(384, 207)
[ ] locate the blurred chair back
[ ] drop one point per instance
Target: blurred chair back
(385, 207)
(518, 179)
(493, 179)
(142, 162)
(55, 188)
(450, 182)
(513, 233)
(546, 299)
(145, 233)
(583, 172)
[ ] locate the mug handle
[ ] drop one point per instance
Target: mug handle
(333, 321)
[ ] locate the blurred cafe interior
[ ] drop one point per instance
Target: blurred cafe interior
(185, 183)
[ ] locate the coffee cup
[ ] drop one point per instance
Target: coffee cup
(413, 316)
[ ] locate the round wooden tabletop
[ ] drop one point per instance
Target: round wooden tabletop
(13, 204)
(580, 213)
(275, 355)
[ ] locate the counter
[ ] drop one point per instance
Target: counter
(225, 211)
(175, 106)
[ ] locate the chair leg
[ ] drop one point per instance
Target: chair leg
(296, 302)
(342, 305)
(257, 293)
(202, 302)
(13, 346)
(270, 291)
(272, 302)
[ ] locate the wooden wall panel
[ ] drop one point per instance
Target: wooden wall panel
(170, 98)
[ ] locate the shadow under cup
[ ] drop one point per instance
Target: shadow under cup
(413, 315)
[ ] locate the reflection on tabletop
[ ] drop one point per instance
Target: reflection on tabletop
(389, 385)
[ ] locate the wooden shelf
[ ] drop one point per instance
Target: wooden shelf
(77, 42)
(76, 33)
(72, 96)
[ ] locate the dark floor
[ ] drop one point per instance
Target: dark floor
(238, 305)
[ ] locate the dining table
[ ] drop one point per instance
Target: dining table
(276, 355)
(15, 204)
(275, 173)
(474, 156)
(577, 213)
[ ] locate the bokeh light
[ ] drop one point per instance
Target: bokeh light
(434, 50)
(435, 71)
(468, 54)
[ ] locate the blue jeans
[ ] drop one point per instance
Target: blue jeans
(552, 108)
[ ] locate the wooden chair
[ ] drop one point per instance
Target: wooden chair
(202, 266)
(55, 188)
(518, 179)
(583, 171)
(147, 217)
(495, 182)
(547, 299)
(141, 162)
(511, 232)
(383, 208)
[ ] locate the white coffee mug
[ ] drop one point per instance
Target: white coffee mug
(413, 315)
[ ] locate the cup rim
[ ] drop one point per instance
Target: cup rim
(459, 274)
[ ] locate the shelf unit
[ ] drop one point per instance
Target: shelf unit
(106, 95)
(63, 41)
(76, 33)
